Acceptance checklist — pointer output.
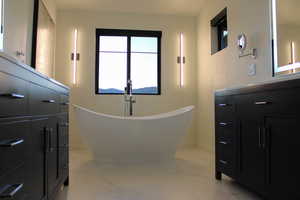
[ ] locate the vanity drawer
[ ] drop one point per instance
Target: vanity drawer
(224, 107)
(226, 131)
(13, 186)
(226, 167)
(64, 103)
(270, 102)
(13, 140)
(43, 101)
(228, 141)
(13, 96)
(226, 159)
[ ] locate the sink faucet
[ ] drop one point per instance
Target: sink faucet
(128, 97)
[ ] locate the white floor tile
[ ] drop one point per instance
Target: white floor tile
(190, 177)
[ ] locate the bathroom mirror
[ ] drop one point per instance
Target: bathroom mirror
(43, 44)
(286, 36)
(16, 29)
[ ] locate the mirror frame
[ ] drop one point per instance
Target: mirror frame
(273, 9)
(34, 33)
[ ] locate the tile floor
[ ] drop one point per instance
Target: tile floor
(191, 177)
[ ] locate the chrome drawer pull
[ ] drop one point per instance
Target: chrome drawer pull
(64, 125)
(49, 101)
(223, 142)
(223, 124)
(223, 104)
(261, 103)
(11, 143)
(13, 96)
(65, 104)
(223, 162)
(9, 191)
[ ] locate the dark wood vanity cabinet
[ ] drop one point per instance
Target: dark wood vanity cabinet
(264, 138)
(34, 134)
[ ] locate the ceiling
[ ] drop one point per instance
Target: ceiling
(288, 12)
(168, 7)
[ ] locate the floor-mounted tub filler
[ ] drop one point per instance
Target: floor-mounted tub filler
(117, 139)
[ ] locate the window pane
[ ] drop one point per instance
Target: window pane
(112, 72)
(113, 43)
(144, 44)
(144, 73)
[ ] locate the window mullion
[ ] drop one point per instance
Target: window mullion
(128, 60)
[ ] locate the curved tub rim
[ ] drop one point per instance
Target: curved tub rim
(177, 112)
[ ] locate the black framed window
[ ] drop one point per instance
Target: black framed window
(123, 55)
(219, 32)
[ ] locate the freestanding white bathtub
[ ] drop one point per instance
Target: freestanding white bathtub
(117, 139)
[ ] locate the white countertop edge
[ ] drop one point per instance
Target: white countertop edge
(27, 67)
(275, 79)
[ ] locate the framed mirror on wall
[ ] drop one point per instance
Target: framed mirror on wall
(43, 42)
(16, 29)
(286, 36)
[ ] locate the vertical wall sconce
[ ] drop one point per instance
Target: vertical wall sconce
(181, 59)
(293, 58)
(293, 55)
(274, 34)
(75, 57)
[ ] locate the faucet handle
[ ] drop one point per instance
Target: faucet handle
(133, 100)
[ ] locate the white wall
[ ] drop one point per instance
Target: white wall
(172, 96)
(225, 69)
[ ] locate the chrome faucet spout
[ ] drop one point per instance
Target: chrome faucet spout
(128, 97)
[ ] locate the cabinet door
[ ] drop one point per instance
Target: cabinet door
(252, 156)
(52, 155)
(283, 152)
(37, 160)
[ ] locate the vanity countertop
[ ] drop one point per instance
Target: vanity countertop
(281, 82)
(25, 68)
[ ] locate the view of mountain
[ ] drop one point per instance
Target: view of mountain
(146, 90)
(111, 91)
